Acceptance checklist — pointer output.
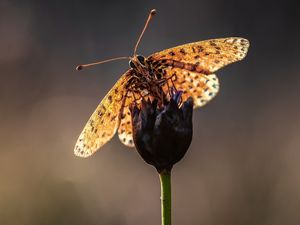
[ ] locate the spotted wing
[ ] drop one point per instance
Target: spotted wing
(200, 86)
(205, 56)
(104, 122)
(125, 128)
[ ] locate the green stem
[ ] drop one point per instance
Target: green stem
(165, 186)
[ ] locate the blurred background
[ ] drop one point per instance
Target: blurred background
(243, 164)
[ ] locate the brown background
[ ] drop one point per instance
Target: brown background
(243, 165)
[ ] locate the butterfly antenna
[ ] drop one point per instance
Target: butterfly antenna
(152, 13)
(80, 67)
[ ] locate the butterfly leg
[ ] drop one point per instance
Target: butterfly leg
(174, 89)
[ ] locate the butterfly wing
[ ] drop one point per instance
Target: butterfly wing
(191, 67)
(206, 56)
(200, 86)
(125, 128)
(105, 120)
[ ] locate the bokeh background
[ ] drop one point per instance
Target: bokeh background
(243, 164)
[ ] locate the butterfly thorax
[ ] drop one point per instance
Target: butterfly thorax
(145, 79)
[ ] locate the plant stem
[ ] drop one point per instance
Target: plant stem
(165, 187)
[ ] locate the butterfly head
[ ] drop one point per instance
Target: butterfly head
(138, 62)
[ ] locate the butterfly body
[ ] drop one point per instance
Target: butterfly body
(189, 68)
(145, 81)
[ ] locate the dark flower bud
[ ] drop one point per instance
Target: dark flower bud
(162, 135)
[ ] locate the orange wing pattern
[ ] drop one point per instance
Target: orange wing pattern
(104, 122)
(207, 56)
(191, 67)
(125, 128)
(200, 86)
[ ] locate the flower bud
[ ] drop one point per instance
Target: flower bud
(163, 134)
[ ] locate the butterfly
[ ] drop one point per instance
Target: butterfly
(190, 68)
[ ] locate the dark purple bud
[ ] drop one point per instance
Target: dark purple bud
(163, 135)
